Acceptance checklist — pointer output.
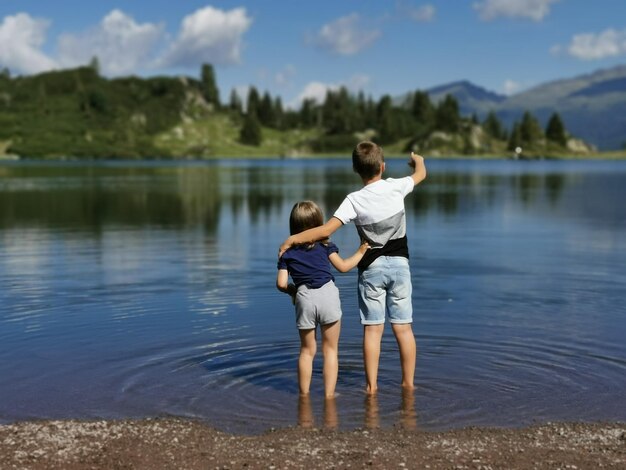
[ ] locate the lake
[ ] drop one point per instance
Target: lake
(147, 289)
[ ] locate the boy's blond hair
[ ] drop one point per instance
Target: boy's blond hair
(367, 159)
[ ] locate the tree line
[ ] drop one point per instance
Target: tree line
(78, 112)
(342, 114)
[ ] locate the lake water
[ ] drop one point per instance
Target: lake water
(147, 289)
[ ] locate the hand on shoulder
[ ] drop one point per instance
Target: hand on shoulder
(285, 246)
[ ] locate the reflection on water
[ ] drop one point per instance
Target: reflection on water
(92, 198)
(372, 412)
(178, 196)
(148, 289)
(405, 415)
(306, 416)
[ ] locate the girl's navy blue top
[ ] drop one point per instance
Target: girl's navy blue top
(309, 266)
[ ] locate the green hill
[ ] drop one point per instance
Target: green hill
(77, 113)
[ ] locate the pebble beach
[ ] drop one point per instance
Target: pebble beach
(179, 443)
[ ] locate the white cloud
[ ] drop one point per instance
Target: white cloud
(511, 86)
(422, 14)
(535, 10)
(346, 35)
(121, 45)
(358, 82)
(556, 50)
(284, 77)
(317, 90)
(589, 46)
(21, 39)
(209, 35)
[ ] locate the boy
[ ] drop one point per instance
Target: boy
(384, 284)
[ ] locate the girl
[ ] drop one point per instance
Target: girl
(314, 294)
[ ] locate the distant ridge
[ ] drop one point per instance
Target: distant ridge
(617, 85)
(592, 106)
(466, 92)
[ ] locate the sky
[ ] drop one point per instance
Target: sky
(298, 49)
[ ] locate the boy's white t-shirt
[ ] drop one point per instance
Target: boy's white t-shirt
(377, 210)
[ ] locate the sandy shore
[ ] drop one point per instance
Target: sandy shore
(177, 444)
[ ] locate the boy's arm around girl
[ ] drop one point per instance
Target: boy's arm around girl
(332, 225)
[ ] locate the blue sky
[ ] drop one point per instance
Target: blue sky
(300, 49)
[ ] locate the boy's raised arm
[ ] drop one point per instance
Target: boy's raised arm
(311, 235)
(419, 169)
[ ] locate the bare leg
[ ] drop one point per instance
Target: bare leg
(372, 335)
(330, 348)
(308, 346)
(408, 351)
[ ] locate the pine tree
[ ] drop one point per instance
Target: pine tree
(251, 131)
(235, 102)
(555, 130)
(279, 113)
(307, 113)
(386, 126)
(422, 110)
(447, 116)
(94, 64)
(266, 111)
(254, 101)
(339, 112)
(370, 113)
(530, 130)
(515, 139)
(209, 87)
(493, 126)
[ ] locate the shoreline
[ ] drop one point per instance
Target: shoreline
(600, 156)
(184, 443)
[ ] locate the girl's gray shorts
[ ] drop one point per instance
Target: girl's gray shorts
(319, 306)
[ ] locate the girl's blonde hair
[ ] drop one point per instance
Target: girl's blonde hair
(305, 215)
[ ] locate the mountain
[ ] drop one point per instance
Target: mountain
(471, 98)
(592, 106)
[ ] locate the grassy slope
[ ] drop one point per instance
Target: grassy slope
(218, 135)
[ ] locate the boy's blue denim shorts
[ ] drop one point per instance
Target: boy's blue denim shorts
(385, 289)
